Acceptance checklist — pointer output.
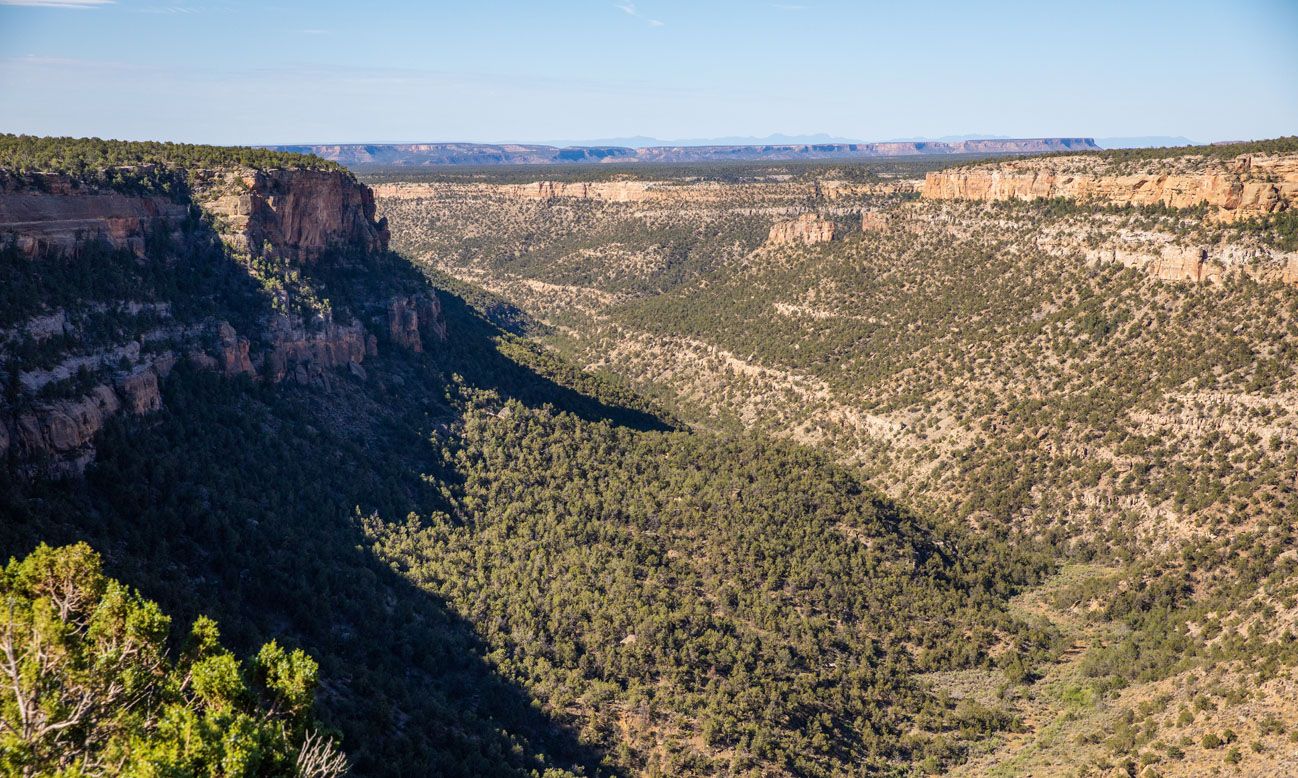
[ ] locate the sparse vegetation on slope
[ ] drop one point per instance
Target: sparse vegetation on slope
(1016, 365)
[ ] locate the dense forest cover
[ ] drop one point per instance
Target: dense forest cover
(674, 603)
(91, 156)
(703, 605)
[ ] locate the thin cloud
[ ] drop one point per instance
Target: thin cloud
(787, 6)
(630, 10)
(169, 10)
(77, 5)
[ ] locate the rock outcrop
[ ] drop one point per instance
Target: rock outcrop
(303, 352)
(1191, 265)
(297, 216)
(300, 214)
(807, 229)
(414, 318)
(62, 431)
(138, 389)
(234, 351)
(873, 220)
(1240, 188)
(609, 191)
(1212, 263)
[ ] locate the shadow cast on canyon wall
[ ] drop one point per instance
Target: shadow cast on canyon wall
(247, 502)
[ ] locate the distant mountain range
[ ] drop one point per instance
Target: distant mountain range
(776, 139)
(641, 141)
(364, 155)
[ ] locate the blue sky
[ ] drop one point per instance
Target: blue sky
(229, 71)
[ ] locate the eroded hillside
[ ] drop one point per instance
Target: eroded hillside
(1114, 377)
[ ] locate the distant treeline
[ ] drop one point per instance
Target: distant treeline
(1283, 145)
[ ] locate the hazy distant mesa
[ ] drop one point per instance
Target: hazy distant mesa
(429, 154)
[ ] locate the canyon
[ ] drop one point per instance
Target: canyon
(631, 275)
(557, 414)
(1094, 352)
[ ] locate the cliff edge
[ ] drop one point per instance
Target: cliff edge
(116, 277)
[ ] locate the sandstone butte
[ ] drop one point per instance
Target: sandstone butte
(299, 215)
(1247, 186)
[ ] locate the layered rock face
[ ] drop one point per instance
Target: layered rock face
(606, 191)
(300, 213)
(1245, 187)
(1191, 265)
(304, 351)
(45, 214)
(807, 229)
(64, 429)
(412, 319)
(1211, 263)
(611, 191)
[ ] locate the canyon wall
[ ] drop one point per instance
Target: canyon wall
(808, 229)
(1244, 187)
(301, 213)
(71, 372)
(761, 193)
(51, 213)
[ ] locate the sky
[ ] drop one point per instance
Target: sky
(339, 71)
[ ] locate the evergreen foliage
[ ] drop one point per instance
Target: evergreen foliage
(88, 686)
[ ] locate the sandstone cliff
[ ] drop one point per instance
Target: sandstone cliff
(76, 364)
(807, 229)
(300, 213)
(45, 214)
(1244, 187)
(606, 191)
(413, 319)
